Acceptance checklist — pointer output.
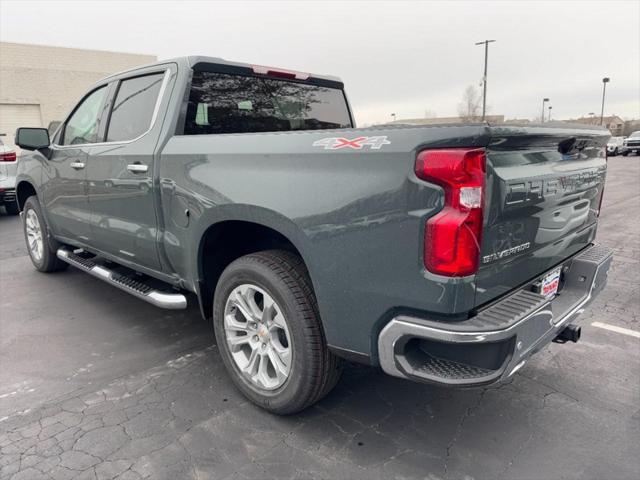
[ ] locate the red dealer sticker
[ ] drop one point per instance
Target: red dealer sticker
(358, 143)
(549, 286)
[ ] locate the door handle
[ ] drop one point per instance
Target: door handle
(77, 165)
(137, 168)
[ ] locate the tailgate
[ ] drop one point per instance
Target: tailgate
(543, 190)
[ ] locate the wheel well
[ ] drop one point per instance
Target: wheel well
(24, 191)
(226, 241)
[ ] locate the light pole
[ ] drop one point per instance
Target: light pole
(550, 107)
(484, 79)
(393, 115)
(544, 100)
(605, 80)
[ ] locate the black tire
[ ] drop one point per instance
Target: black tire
(48, 261)
(12, 208)
(624, 154)
(314, 370)
(615, 152)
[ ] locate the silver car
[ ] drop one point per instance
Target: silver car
(8, 167)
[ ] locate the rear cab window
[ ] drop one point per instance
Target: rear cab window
(234, 103)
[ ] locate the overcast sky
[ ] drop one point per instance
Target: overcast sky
(402, 58)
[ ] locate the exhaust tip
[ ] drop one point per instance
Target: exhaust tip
(571, 333)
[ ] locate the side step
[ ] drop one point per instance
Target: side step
(172, 301)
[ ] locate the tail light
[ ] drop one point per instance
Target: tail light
(606, 159)
(8, 157)
(600, 201)
(453, 235)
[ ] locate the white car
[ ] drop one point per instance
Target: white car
(8, 167)
(631, 144)
(614, 146)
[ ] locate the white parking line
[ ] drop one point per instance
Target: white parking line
(613, 328)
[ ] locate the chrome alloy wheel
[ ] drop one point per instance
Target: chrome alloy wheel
(34, 235)
(258, 337)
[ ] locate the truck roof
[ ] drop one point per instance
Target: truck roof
(193, 61)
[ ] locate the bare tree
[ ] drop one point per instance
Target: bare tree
(470, 106)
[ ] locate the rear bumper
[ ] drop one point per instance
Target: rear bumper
(500, 338)
(7, 196)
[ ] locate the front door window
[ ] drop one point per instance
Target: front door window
(83, 126)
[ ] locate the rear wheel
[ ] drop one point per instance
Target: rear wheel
(269, 332)
(42, 254)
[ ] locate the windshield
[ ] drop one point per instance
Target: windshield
(223, 103)
(635, 134)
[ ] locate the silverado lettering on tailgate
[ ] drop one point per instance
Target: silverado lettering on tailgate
(505, 253)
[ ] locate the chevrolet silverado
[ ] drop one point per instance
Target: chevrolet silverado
(446, 254)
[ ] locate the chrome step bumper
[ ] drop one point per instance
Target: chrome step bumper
(172, 301)
(499, 339)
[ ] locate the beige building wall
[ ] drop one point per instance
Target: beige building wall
(37, 80)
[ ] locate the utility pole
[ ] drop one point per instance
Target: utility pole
(550, 107)
(605, 80)
(544, 100)
(484, 79)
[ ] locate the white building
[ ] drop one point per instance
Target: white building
(40, 84)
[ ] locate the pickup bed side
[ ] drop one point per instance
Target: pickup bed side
(356, 218)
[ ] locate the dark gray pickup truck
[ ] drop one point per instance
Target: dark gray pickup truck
(446, 254)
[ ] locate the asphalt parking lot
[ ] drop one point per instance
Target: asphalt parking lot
(97, 384)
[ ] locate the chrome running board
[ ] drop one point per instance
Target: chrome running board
(172, 301)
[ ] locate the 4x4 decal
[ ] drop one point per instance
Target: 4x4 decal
(358, 143)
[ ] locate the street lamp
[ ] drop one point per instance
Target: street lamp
(394, 116)
(544, 100)
(550, 107)
(605, 80)
(484, 79)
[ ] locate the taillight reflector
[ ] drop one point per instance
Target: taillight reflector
(453, 235)
(8, 157)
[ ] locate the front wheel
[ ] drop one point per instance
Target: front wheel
(42, 255)
(625, 153)
(269, 332)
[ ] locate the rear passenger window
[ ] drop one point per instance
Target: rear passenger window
(133, 107)
(223, 103)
